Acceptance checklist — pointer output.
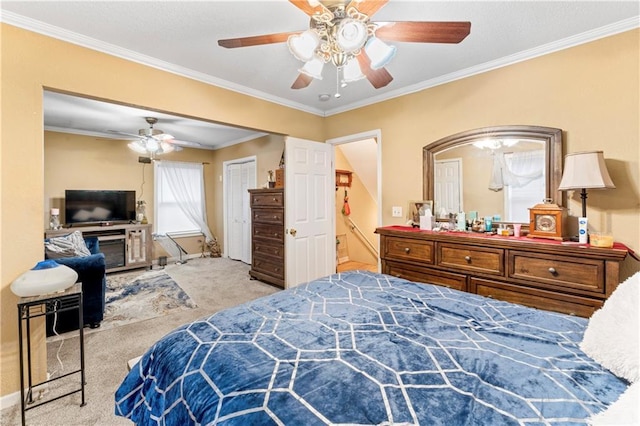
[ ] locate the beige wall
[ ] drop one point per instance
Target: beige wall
(590, 91)
(267, 149)
(364, 213)
(85, 162)
(31, 63)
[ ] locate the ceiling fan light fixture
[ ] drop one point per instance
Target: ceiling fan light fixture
(167, 147)
(313, 68)
(351, 71)
(304, 45)
(351, 34)
(138, 147)
(379, 52)
(152, 145)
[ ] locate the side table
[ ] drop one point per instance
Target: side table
(37, 306)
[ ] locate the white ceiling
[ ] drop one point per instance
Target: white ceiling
(181, 37)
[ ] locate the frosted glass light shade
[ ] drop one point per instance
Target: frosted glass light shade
(585, 170)
(379, 52)
(304, 45)
(351, 35)
(313, 68)
(137, 147)
(351, 71)
(44, 278)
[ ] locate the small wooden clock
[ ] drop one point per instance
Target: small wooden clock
(547, 221)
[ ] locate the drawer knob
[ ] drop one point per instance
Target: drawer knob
(275, 217)
(275, 234)
(552, 271)
(407, 249)
(468, 259)
(275, 199)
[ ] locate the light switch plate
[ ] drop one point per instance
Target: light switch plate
(396, 211)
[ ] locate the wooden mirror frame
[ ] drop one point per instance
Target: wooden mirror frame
(551, 137)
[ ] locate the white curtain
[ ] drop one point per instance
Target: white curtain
(519, 169)
(190, 197)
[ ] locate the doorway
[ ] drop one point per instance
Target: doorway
(357, 207)
(239, 177)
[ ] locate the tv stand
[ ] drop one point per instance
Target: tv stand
(124, 246)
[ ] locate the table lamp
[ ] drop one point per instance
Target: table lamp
(585, 170)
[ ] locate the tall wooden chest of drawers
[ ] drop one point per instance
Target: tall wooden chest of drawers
(539, 273)
(267, 235)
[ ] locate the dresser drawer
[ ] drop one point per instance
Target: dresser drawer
(268, 265)
(268, 248)
(275, 216)
(269, 232)
(579, 274)
(408, 249)
(535, 298)
(267, 199)
(472, 259)
(425, 275)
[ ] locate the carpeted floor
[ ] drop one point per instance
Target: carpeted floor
(212, 283)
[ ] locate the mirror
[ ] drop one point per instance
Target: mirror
(496, 171)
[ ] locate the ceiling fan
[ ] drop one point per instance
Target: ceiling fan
(154, 141)
(344, 35)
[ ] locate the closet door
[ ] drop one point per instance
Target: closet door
(235, 214)
(240, 178)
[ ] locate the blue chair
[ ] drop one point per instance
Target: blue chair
(91, 273)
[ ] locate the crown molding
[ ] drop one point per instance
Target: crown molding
(566, 43)
(110, 49)
(113, 50)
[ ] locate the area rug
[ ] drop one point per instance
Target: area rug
(132, 298)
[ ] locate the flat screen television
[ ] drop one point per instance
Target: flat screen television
(98, 206)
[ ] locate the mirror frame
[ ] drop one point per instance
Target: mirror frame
(552, 138)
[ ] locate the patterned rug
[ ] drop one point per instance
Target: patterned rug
(133, 297)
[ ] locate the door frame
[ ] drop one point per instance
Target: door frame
(369, 134)
(225, 189)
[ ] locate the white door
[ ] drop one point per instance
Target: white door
(447, 186)
(240, 177)
(310, 247)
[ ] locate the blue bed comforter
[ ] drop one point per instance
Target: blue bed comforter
(364, 348)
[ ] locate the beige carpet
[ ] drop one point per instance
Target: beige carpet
(212, 283)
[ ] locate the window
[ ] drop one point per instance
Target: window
(179, 197)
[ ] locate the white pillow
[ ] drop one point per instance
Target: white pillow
(622, 412)
(612, 335)
(71, 245)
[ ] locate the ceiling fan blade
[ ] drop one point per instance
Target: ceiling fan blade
(378, 78)
(368, 7)
(185, 144)
(302, 81)
(423, 32)
(230, 43)
(116, 132)
(304, 6)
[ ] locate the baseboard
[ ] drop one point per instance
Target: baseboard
(9, 400)
(343, 260)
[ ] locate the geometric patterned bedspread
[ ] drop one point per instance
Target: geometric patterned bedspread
(366, 348)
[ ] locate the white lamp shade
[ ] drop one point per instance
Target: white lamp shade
(313, 68)
(351, 35)
(304, 45)
(137, 147)
(379, 52)
(44, 278)
(351, 71)
(585, 170)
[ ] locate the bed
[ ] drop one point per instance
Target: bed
(367, 348)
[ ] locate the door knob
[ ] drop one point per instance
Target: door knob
(293, 232)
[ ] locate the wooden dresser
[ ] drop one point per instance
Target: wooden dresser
(533, 272)
(267, 235)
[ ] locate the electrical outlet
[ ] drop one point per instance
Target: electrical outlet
(396, 211)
